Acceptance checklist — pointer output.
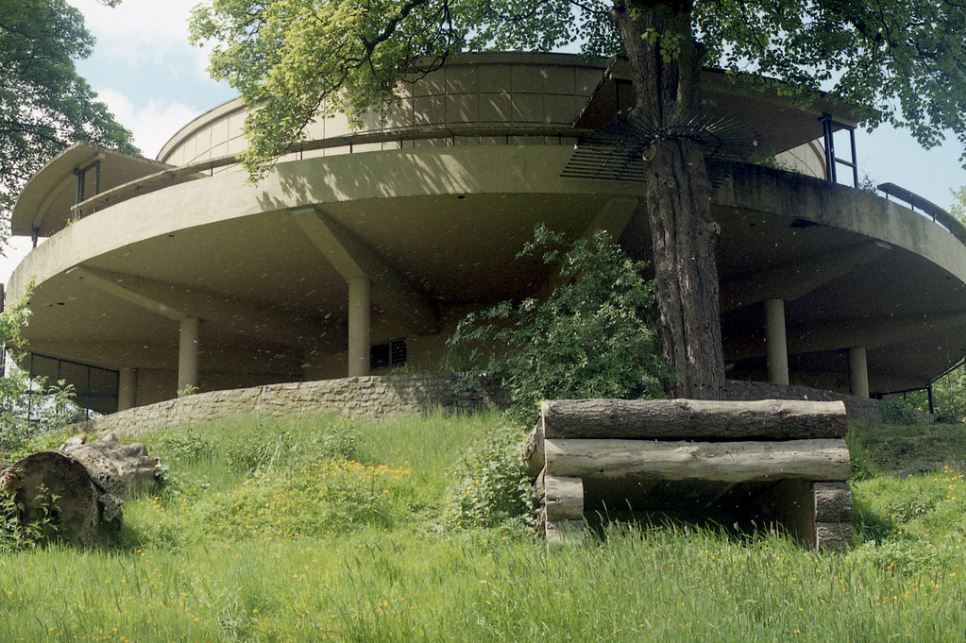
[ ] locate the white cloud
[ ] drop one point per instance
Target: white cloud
(140, 30)
(152, 123)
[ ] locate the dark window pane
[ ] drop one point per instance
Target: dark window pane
(379, 356)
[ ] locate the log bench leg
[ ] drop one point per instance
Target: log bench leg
(832, 511)
(562, 508)
(817, 514)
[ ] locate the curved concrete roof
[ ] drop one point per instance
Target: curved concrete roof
(44, 205)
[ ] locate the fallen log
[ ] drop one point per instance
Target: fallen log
(693, 419)
(80, 489)
(722, 461)
(55, 494)
(119, 469)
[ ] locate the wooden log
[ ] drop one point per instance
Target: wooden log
(563, 498)
(724, 461)
(40, 476)
(833, 502)
(118, 469)
(693, 419)
(534, 459)
(833, 536)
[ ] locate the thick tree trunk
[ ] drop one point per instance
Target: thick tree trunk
(83, 487)
(677, 195)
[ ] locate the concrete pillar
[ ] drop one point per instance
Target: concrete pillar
(127, 389)
(858, 371)
(188, 352)
(776, 343)
(359, 311)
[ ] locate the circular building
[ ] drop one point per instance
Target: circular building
(362, 248)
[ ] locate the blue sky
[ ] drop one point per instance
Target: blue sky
(144, 69)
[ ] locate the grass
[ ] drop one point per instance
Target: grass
(321, 529)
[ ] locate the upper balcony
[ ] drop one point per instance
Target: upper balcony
(480, 99)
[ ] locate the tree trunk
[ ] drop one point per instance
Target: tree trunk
(81, 488)
(677, 194)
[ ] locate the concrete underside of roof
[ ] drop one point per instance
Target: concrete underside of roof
(444, 225)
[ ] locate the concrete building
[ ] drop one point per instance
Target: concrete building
(363, 247)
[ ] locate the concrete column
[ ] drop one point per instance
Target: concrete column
(188, 352)
(858, 371)
(776, 343)
(127, 389)
(359, 311)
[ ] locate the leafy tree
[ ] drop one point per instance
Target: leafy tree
(959, 209)
(593, 336)
(44, 104)
(899, 59)
(27, 407)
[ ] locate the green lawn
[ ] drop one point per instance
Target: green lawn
(272, 530)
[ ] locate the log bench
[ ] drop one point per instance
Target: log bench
(788, 456)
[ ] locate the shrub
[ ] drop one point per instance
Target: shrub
(492, 490)
(594, 336)
(17, 534)
(28, 407)
(949, 395)
(898, 411)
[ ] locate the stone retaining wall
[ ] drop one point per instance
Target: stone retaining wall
(370, 397)
(357, 397)
(858, 409)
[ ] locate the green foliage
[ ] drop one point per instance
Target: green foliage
(332, 496)
(882, 450)
(898, 410)
(949, 396)
(191, 571)
(44, 104)
(949, 400)
(276, 449)
(492, 489)
(594, 336)
(15, 533)
(958, 209)
(28, 408)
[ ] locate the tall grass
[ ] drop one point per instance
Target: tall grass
(184, 573)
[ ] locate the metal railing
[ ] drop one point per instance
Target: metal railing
(926, 207)
(167, 178)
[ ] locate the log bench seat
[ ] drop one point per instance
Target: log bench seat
(789, 454)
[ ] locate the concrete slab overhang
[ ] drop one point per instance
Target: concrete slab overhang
(449, 221)
(777, 122)
(80, 171)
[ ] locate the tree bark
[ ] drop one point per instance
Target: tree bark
(687, 420)
(677, 194)
(88, 481)
(825, 460)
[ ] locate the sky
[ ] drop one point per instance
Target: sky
(154, 82)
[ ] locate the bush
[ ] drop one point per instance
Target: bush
(492, 489)
(949, 396)
(594, 336)
(17, 534)
(28, 407)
